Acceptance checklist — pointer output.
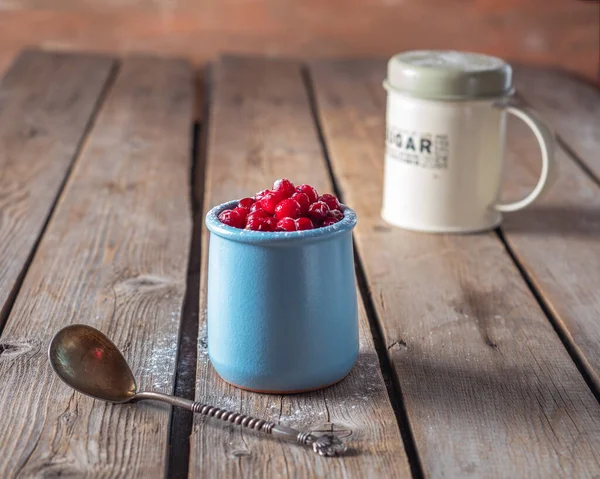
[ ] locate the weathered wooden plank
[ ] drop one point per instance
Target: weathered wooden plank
(557, 242)
(46, 103)
(114, 256)
(261, 129)
(488, 387)
(570, 105)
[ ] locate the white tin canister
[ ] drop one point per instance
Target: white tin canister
(446, 118)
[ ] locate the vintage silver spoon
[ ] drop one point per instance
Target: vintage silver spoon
(90, 363)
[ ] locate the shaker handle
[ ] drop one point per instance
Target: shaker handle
(545, 139)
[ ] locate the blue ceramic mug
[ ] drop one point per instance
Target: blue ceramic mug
(282, 307)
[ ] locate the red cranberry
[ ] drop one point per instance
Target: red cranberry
(257, 212)
(286, 224)
(253, 222)
(261, 194)
(337, 214)
(271, 221)
(318, 211)
(308, 191)
(243, 212)
(304, 224)
(231, 218)
(258, 224)
(284, 187)
(287, 209)
(246, 203)
(254, 208)
(330, 220)
(270, 201)
(330, 201)
(303, 202)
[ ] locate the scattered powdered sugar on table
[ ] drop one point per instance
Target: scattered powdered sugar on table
(227, 402)
(175, 315)
(202, 343)
(160, 366)
(306, 415)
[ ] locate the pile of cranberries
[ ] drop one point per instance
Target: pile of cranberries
(284, 208)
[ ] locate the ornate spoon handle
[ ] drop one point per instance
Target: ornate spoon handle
(326, 445)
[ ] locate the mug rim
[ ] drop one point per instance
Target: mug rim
(214, 225)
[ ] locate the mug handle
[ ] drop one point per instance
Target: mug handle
(545, 139)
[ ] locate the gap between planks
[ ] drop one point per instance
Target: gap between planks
(187, 353)
(393, 387)
(572, 113)
(562, 143)
(562, 330)
(180, 426)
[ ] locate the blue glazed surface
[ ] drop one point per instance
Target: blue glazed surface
(282, 308)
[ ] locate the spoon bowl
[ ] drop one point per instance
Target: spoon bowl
(89, 362)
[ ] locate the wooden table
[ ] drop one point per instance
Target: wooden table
(480, 354)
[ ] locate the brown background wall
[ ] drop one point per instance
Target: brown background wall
(556, 32)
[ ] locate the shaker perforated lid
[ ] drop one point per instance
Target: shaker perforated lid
(448, 75)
